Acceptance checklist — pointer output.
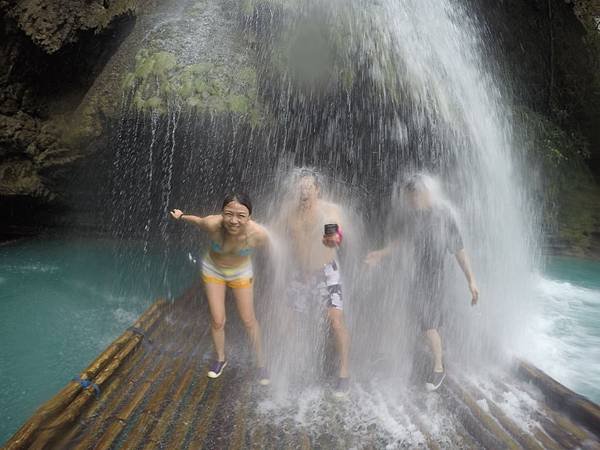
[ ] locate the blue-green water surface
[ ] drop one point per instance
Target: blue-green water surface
(62, 302)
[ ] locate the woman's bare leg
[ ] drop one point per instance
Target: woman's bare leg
(244, 299)
(216, 303)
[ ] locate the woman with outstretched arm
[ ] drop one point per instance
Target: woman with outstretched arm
(234, 237)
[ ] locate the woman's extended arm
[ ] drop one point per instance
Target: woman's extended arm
(204, 223)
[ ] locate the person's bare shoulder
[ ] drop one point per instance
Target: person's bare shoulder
(258, 234)
(213, 222)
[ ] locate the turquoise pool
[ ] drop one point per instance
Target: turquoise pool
(62, 302)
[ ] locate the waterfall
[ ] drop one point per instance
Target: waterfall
(237, 95)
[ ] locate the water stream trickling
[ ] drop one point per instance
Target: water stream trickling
(365, 92)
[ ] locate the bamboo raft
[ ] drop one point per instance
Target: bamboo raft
(154, 394)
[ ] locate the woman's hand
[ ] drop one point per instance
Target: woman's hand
(176, 214)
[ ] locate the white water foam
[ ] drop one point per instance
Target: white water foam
(564, 335)
(372, 410)
(125, 317)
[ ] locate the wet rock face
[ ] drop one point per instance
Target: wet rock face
(49, 54)
(52, 25)
(21, 141)
(551, 53)
(56, 86)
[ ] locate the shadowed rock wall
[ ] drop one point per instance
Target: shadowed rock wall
(50, 54)
(63, 67)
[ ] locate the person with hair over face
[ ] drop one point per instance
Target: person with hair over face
(234, 237)
(314, 232)
(429, 230)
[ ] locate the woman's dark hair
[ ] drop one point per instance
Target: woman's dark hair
(239, 197)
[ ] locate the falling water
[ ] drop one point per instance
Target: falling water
(365, 92)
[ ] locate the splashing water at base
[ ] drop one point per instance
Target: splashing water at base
(564, 337)
(385, 89)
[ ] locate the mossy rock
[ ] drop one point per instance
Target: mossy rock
(158, 80)
(238, 104)
(570, 191)
(578, 217)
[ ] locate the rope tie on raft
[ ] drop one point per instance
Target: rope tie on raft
(141, 333)
(86, 384)
(148, 342)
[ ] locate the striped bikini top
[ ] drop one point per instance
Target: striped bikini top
(218, 248)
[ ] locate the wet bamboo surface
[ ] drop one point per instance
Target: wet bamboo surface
(155, 395)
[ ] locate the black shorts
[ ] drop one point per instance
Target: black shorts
(427, 308)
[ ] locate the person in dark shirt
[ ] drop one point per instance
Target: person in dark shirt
(430, 232)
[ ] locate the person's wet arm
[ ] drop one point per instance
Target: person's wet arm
(463, 261)
(375, 256)
(204, 223)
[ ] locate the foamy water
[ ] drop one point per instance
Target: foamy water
(565, 334)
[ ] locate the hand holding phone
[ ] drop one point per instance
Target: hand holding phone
(332, 236)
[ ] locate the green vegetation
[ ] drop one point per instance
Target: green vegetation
(569, 188)
(159, 80)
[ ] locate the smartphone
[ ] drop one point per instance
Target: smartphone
(331, 228)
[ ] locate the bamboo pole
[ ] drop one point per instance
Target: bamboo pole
(547, 442)
(461, 437)
(471, 422)
(416, 420)
(564, 438)
(91, 413)
(166, 420)
(525, 439)
(114, 405)
(72, 412)
(24, 436)
(488, 421)
(152, 409)
(125, 391)
(155, 407)
(206, 413)
(257, 437)
(163, 423)
(566, 424)
(115, 391)
(238, 432)
(577, 406)
(122, 418)
(177, 436)
(146, 370)
(539, 434)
